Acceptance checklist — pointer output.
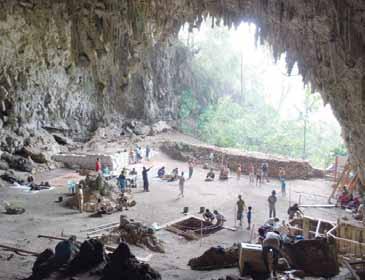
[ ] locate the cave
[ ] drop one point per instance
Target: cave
(75, 67)
(126, 47)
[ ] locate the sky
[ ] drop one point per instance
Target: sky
(275, 78)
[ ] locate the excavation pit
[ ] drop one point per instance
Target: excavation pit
(193, 228)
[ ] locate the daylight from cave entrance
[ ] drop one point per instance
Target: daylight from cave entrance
(268, 109)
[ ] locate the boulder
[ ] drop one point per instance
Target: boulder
(35, 154)
(91, 255)
(4, 165)
(216, 258)
(159, 127)
(62, 140)
(11, 178)
(17, 162)
(10, 142)
(124, 265)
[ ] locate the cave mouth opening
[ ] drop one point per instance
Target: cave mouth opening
(242, 97)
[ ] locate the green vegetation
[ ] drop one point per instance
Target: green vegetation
(233, 105)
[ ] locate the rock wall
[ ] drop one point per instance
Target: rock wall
(72, 66)
(295, 169)
(69, 65)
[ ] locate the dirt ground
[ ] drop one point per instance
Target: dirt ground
(161, 205)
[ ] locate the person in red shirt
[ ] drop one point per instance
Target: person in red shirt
(98, 165)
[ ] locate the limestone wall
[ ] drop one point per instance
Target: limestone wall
(295, 169)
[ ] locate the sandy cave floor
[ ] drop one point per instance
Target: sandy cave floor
(161, 205)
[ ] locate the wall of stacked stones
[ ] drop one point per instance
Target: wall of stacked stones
(295, 169)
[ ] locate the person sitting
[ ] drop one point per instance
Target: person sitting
(210, 176)
(353, 204)
(219, 219)
(122, 202)
(161, 172)
(133, 172)
(174, 175)
(344, 198)
(223, 173)
(208, 216)
(106, 173)
(294, 211)
(360, 213)
(101, 209)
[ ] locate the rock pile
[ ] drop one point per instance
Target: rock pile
(96, 187)
(91, 257)
(134, 233)
(216, 258)
(316, 257)
(295, 169)
(28, 150)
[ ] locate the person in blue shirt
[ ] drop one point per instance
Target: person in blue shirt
(249, 217)
(122, 181)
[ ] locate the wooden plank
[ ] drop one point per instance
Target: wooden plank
(306, 227)
(187, 235)
(176, 221)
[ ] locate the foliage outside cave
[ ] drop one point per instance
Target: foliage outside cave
(230, 104)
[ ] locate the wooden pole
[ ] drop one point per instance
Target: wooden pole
(19, 250)
(201, 232)
(51, 237)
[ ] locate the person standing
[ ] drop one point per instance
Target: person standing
(191, 168)
(239, 172)
(272, 202)
(249, 217)
(273, 243)
(148, 151)
(282, 180)
(251, 173)
(122, 181)
(211, 159)
(80, 198)
(98, 165)
(145, 178)
(181, 184)
(265, 171)
(258, 177)
(240, 208)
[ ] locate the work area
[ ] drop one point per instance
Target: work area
(217, 228)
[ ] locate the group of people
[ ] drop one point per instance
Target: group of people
(136, 154)
(355, 203)
(208, 216)
(241, 207)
